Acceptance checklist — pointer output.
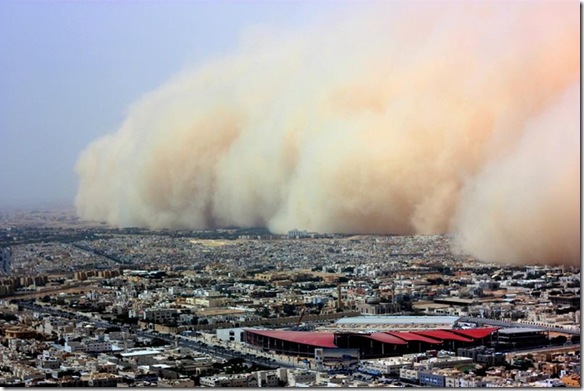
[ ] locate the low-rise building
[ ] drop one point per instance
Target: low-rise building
(386, 366)
(300, 377)
(239, 380)
(410, 374)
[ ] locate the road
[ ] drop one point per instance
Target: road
(235, 350)
(182, 341)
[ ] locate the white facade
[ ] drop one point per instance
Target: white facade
(74, 346)
(390, 365)
(241, 380)
(98, 346)
(300, 376)
(231, 334)
(409, 374)
(451, 381)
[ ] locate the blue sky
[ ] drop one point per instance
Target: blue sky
(70, 69)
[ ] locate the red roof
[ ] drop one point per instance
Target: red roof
(386, 338)
(408, 336)
(443, 335)
(321, 340)
(477, 333)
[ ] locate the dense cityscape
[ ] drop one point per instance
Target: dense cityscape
(290, 194)
(88, 305)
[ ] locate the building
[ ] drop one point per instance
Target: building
(101, 379)
(444, 362)
(372, 308)
(208, 301)
(431, 379)
(300, 377)
(231, 334)
(298, 234)
(267, 379)
(571, 380)
(98, 346)
(239, 380)
(410, 374)
(369, 344)
(568, 300)
(289, 342)
(399, 322)
(388, 366)
(5, 261)
(159, 315)
(142, 357)
(517, 337)
(482, 355)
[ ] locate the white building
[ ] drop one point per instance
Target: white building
(239, 380)
(75, 346)
(230, 334)
(390, 365)
(451, 381)
(298, 377)
(98, 346)
(409, 374)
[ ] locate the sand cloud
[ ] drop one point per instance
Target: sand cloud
(393, 118)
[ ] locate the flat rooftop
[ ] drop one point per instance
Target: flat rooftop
(389, 320)
(141, 353)
(517, 330)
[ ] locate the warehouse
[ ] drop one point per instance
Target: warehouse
(369, 344)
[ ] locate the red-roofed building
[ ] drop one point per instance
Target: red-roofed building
(387, 338)
(478, 333)
(371, 344)
(409, 336)
(443, 335)
(481, 336)
(291, 342)
(319, 340)
(450, 340)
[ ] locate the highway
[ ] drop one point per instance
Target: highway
(182, 341)
(259, 357)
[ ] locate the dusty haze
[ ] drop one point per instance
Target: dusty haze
(398, 118)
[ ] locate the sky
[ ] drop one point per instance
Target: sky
(69, 71)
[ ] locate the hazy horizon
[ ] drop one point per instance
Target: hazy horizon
(70, 71)
(351, 117)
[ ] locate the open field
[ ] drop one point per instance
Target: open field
(214, 242)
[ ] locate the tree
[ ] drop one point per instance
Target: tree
(559, 340)
(289, 309)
